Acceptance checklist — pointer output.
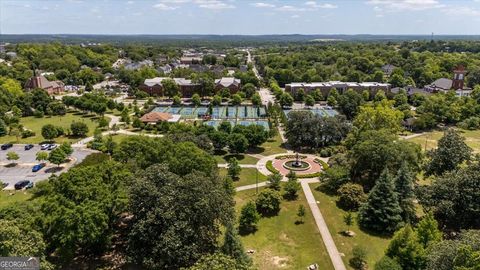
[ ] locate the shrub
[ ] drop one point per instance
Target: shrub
(27, 133)
(270, 167)
(268, 202)
(358, 261)
(79, 129)
(351, 196)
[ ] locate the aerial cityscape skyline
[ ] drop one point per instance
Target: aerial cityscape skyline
(252, 17)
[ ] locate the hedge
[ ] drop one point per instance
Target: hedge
(270, 167)
(310, 175)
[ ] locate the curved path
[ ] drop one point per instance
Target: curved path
(327, 238)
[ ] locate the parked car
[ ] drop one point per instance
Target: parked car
(28, 147)
(52, 146)
(6, 146)
(44, 146)
(38, 167)
(23, 184)
(4, 185)
(29, 185)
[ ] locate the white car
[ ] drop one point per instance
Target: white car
(52, 146)
(44, 146)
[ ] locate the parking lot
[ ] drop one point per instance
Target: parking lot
(23, 169)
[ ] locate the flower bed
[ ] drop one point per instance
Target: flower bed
(290, 157)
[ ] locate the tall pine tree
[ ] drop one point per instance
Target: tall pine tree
(404, 188)
(232, 246)
(406, 250)
(427, 231)
(381, 212)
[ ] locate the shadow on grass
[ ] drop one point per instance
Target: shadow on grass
(299, 222)
(11, 165)
(246, 231)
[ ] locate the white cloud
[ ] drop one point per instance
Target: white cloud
(213, 4)
(314, 4)
(263, 5)
(174, 1)
(162, 6)
(400, 5)
(461, 11)
(295, 16)
(290, 8)
(130, 2)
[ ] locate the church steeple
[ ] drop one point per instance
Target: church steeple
(458, 78)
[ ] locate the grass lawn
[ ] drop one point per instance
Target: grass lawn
(18, 196)
(118, 138)
(281, 244)
(430, 139)
(222, 158)
(247, 176)
(333, 215)
(270, 147)
(36, 124)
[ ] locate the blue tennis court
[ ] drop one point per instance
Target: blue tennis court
(201, 111)
(174, 110)
(231, 112)
(160, 109)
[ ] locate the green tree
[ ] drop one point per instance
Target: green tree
(351, 196)
(13, 156)
(170, 87)
(66, 147)
(236, 99)
(57, 156)
(381, 212)
(79, 129)
(234, 168)
(49, 132)
(81, 206)
(268, 202)
(177, 101)
(125, 116)
(406, 249)
(378, 117)
(427, 231)
(387, 263)
(3, 128)
(216, 100)
(274, 180)
(137, 123)
(291, 188)
(256, 99)
(286, 100)
(168, 233)
(450, 153)
(249, 218)
(404, 181)
(219, 139)
(41, 156)
(348, 220)
(309, 100)
(196, 99)
(232, 246)
(217, 261)
(359, 258)
(349, 103)
(301, 213)
(237, 143)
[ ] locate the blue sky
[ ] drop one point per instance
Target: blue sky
(240, 17)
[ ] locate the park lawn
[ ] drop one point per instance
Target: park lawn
(430, 139)
(36, 124)
(247, 176)
(281, 244)
(375, 245)
(118, 138)
(242, 158)
(18, 196)
(272, 146)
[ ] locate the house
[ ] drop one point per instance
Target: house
(231, 83)
(188, 60)
(388, 69)
(155, 117)
(120, 62)
(11, 55)
(198, 68)
(138, 65)
(52, 87)
(154, 86)
(444, 85)
(166, 69)
(341, 87)
(243, 68)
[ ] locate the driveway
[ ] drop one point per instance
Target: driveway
(23, 169)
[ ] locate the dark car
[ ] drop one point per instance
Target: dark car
(6, 146)
(23, 184)
(38, 167)
(28, 146)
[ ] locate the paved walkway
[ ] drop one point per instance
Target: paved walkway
(412, 136)
(322, 226)
(225, 165)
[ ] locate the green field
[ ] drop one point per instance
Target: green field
(272, 146)
(11, 197)
(375, 245)
(36, 124)
(429, 139)
(247, 176)
(281, 244)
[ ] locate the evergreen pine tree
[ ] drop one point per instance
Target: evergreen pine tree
(427, 231)
(404, 189)
(3, 128)
(381, 212)
(406, 249)
(232, 246)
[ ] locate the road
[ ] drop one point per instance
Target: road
(23, 171)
